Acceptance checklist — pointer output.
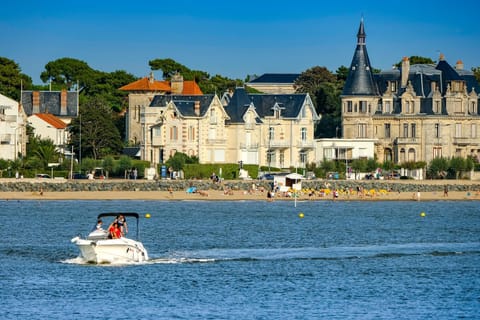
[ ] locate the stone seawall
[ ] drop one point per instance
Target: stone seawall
(34, 185)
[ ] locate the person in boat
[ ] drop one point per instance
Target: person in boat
(122, 222)
(99, 225)
(114, 231)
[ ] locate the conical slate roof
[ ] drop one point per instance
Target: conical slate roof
(360, 79)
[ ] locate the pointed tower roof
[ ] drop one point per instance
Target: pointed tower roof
(360, 79)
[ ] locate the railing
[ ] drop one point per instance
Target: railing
(249, 146)
(305, 144)
(466, 141)
(216, 141)
(410, 140)
(278, 143)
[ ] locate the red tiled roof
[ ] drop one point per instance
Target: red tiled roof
(190, 87)
(144, 84)
(52, 120)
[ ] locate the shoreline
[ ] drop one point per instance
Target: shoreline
(218, 195)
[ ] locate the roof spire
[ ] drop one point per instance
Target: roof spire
(361, 33)
(360, 80)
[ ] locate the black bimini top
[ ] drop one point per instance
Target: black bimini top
(114, 214)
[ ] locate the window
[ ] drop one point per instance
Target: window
(213, 116)
(405, 130)
(437, 152)
(303, 158)
(458, 130)
(437, 107)
(156, 131)
(282, 159)
(363, 106)
(303, 134)
(191, 133)
(387, 130)
(271, 133)
(349, 106)
(362, 130)
(437, 130)
(174, 133)
(393, 86)
(388, 107)
(402, 155)
(413, 130)
(271, 157)
(473, 108)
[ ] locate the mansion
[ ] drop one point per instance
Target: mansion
(415, 113)
(275, 130)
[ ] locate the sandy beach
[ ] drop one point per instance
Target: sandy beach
(218, 195)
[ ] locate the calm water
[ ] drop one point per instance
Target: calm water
(247, 260)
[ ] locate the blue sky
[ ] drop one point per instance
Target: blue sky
(236, 38)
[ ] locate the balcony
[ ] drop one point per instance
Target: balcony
(464, 141)
(410, 140)
(278, 144)
(304, 144)
(216, 141)
(249, 146)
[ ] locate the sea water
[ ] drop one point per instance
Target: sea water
(246, 260)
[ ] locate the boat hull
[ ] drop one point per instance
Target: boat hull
(121, 250)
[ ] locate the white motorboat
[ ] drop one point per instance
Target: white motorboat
(97, 247)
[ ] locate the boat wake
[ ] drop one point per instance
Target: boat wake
(390, 251)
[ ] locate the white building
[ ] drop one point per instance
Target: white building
(48, 126)
(12, 129)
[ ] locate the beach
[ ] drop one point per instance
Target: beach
(238, 195)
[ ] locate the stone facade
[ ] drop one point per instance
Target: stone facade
(416, 112)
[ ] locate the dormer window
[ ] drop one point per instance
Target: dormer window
(277, 114)
(393, 86)
(457, 86)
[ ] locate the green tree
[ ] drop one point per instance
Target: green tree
(457, 165)
(324, 88)
(416, 60)
(342, 73)
(95, 130)
(208, 85)
(47, 153)
(476, 72)
(178, 161)
(12, 78)
(438, 168)
(66, 72)
(108, 164)
(124, 164)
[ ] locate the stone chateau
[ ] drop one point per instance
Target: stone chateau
(416, 112)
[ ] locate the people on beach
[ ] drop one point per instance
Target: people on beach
(445, 191)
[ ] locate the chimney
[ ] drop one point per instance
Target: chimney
(177, 83)
(196, 108)
(63, 102)
(459, 65)
(35, 102)
(405, 71)
(151, 78)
